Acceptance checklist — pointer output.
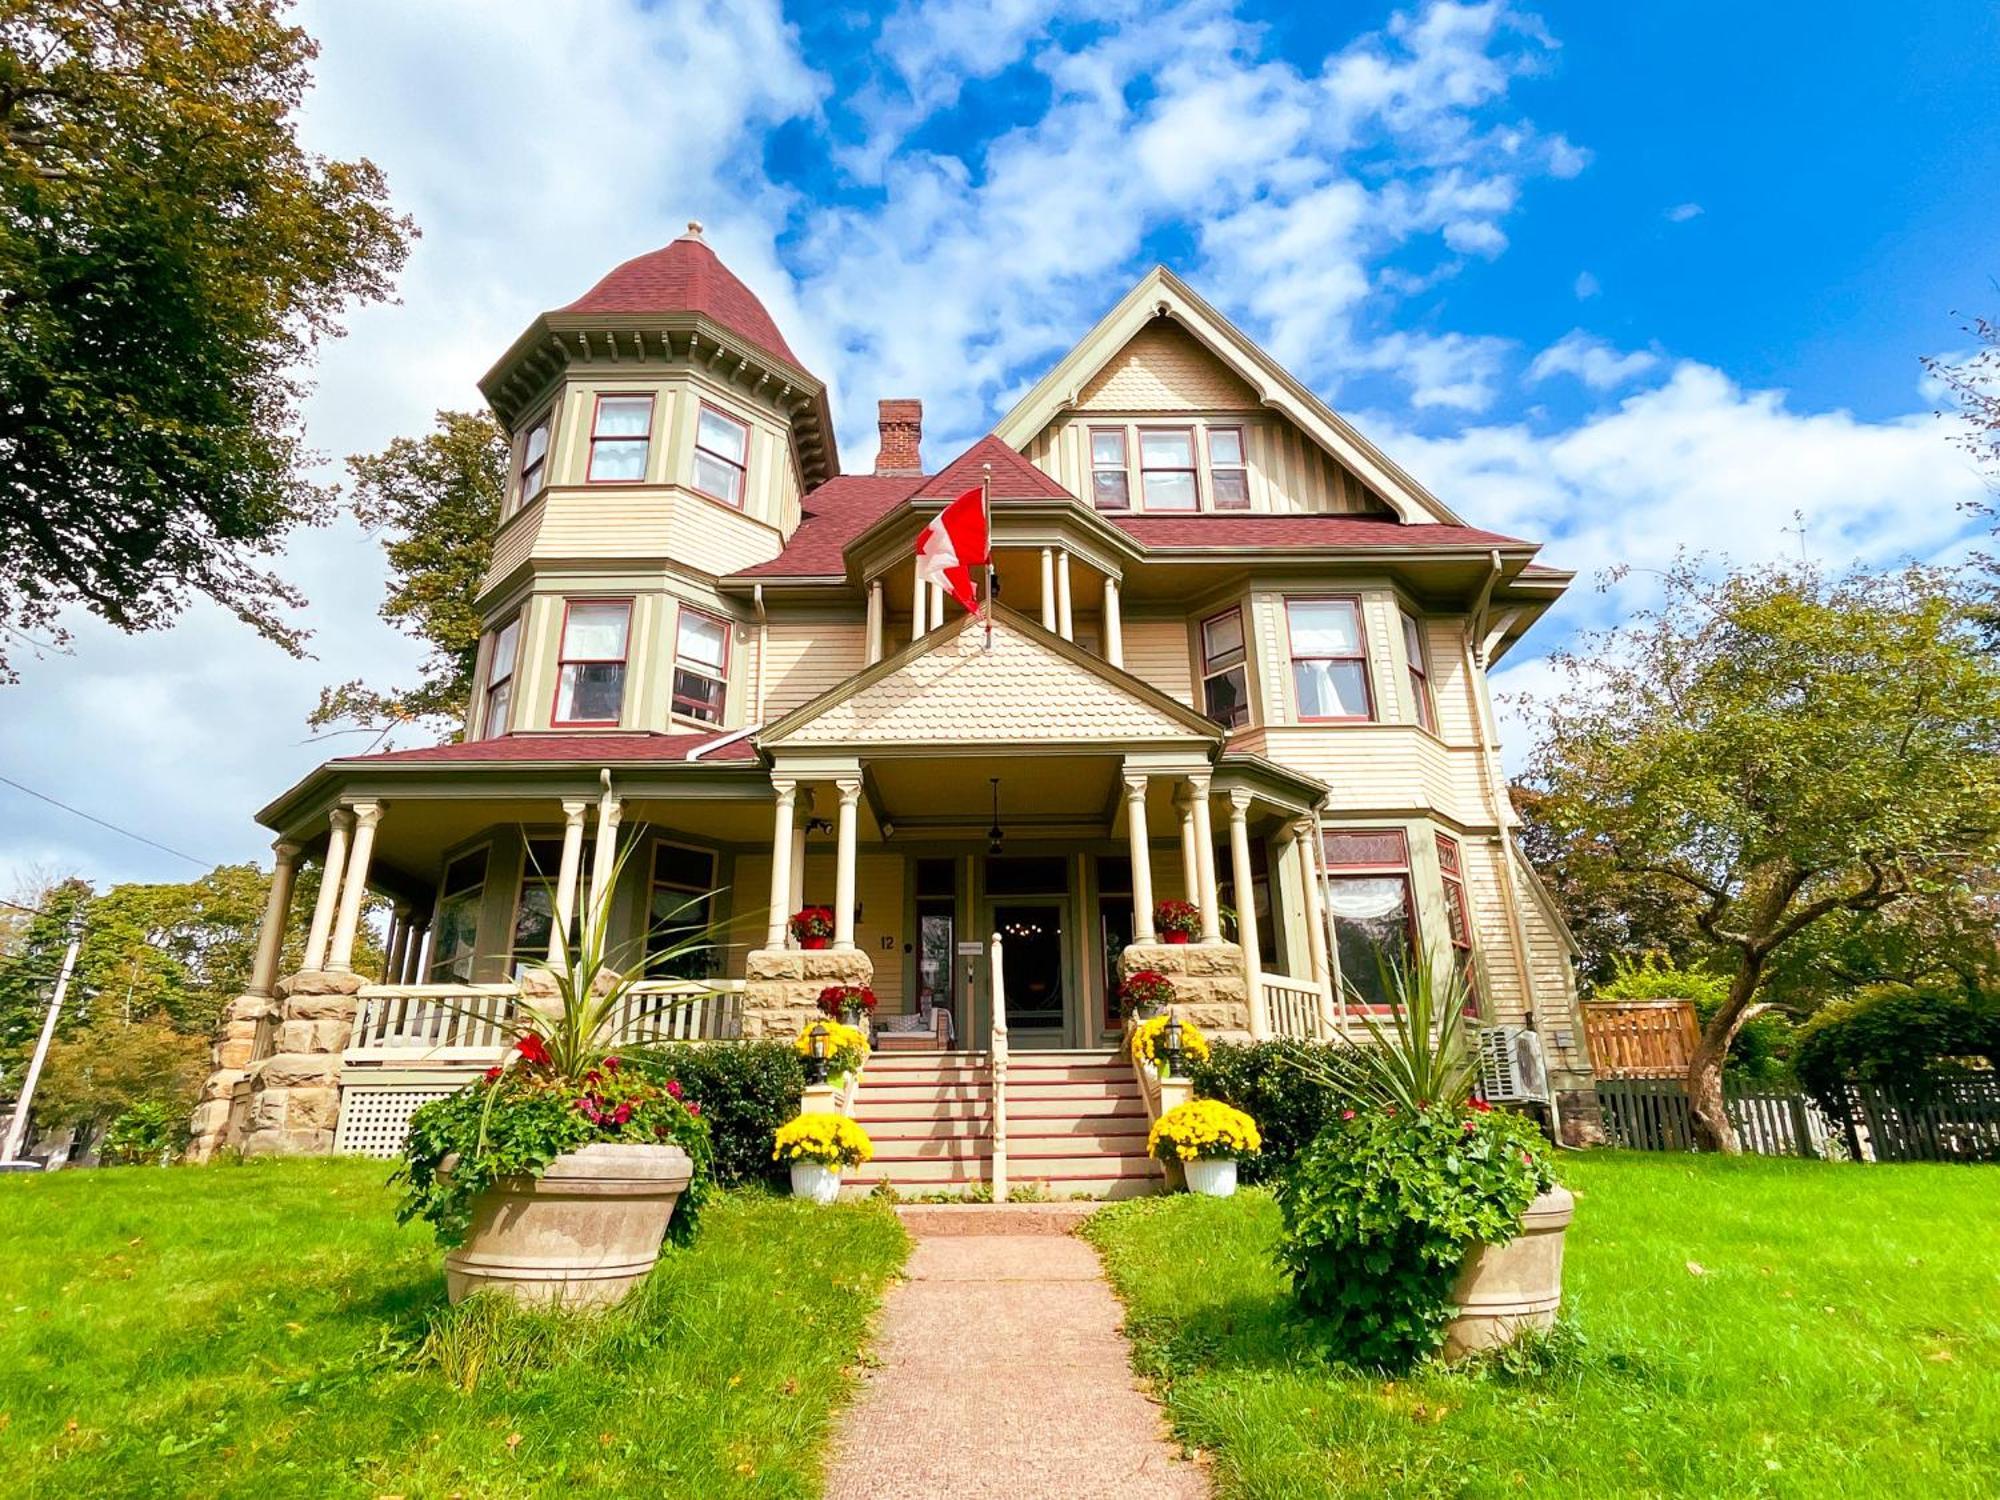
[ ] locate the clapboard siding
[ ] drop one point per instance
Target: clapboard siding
(807, 658)
(641, 521)
(1384, 767)
(1156, 652)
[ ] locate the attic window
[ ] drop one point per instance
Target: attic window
(1229, 481)
(1166, 468)
(721, 455)
(1110, 484)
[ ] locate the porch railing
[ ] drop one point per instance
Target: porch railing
(1293, 1007)
(441, 1025)
(996, 1056)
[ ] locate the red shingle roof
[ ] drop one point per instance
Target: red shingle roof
(835, 514)
(1168, 533)
(687, 276)
(565, 746)
(1014, 478)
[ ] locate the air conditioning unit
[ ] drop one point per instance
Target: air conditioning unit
(1511, 1068)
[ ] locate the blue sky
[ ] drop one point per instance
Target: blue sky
(1622, 277)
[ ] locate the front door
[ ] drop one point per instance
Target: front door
(1031, 941)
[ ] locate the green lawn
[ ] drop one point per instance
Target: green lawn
(261, 1331)
(1745, 1327)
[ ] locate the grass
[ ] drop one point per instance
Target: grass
(1742, 1327)
(268, 1330)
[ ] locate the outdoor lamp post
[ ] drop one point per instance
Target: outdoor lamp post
(1170, 1048)
(816, 1058)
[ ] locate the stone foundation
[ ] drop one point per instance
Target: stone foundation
(295, 1092)
(782, 985)
(231, 1058)
(1209, 990)
(1582, 1116)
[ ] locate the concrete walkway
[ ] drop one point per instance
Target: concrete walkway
(1003, 1373)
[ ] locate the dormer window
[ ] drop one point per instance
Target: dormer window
(701, 666)
(500, 680)
(1110, 483)
(535, 457)
(721, 456)
(621, 435)
(590, 679)
(1166, 468)
(1229, 481)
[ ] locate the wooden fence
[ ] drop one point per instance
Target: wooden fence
(1958, 1121)
(1641, 1038)
(1653, 1114)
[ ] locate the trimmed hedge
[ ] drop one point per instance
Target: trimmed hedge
(1901, 1036)
(1261, 1079)
(746, 1090)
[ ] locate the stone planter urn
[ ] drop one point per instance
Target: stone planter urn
(1212, 1177)
(583, 1234)
(815, 1182)
(1503, 1289)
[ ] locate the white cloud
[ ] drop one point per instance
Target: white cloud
(1587, 286)
(1680, 213)
(1591, 360)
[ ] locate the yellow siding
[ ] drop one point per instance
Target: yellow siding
(1156, 652)
(513, 545)
(878, 886)
(809, 658)
(1289, 473)
(1450, 688)
(640, 521)
(1165, 368)
(1372, 767)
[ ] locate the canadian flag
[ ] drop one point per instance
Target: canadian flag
(953, 545)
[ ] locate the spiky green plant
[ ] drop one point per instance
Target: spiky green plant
(1426, 1055)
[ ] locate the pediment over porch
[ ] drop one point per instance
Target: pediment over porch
(1031, 689)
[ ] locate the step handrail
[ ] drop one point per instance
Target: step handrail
(997, 1061)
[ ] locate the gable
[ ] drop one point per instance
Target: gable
(1032, 688)
(1163, 367)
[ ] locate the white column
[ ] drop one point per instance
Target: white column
(874, 622)
(920, 606)
(1322, 971)
(798, 899)
(399, 937)
(1142, 858)
(569, 870)
(1065, 622)
(1241, 877)
(781, 861)
(603, 870)
(844, 855)
(277, 914)
(1048, 588)
(354, 887)
(334, 867)
(1190, 860)
(412, 971)
(1210, 899)
(937, 605)
(1114, 625)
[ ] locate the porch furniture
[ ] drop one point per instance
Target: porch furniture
(927, 1029)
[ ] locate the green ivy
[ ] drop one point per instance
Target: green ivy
(1381, 1210)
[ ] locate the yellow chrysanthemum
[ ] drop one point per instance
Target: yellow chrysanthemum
(846, 1047)
(1145, 1041)
(829, 1139)
(1202, 1129)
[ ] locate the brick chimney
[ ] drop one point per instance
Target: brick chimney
(902, 428)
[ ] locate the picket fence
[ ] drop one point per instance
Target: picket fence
(1957, 1122)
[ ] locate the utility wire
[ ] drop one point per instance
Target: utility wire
(205, 864)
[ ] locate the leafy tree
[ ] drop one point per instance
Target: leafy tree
(111, 1065)
(170, 258)
(1973, 384)
(437, 500)
(1784, 747)
(28, 972)
(1762, 1047)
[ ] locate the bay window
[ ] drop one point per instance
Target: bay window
(493, 719)
(1110, 482)
(621, 435)
(701, 666)
(1229, 481)
(1225, 686)
(1369, 904)
(1329, 659)
(1420, 674)
(721, 456)
(534, 448)
(1458, 917)
(1166, 468)
(590, 677)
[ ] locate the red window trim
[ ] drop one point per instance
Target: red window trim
(1193, 471)
(596, 410)
(1208, 671)
(521, 495)
(742, 499)
(486, 697)
(728, 651)
(555, 700)
(1420, 671)
(1124, 466)
(1361, 634)
(1241, 466)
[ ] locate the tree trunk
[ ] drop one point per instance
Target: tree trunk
(1712, 1130)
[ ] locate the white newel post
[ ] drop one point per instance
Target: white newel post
(1241, 876)
(569, 870)
(1048, 588)
(277, 911)
(1322, 971)
(1142, 859)
(1114, 625)
(1204, 860)
(1065, 621)
(781, 861)
(354, 887)
(874, 622)
(844, 855)
(334, 867)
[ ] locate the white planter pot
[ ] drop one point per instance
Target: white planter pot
(814, 1182)
(1212, 1177)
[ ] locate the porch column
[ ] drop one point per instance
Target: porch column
(392, 950)
(604, 868)
(1210, 899)
(1048, 588)
(874, 622)
(354, 887)
(1241, 877)
(277, 910)
(1114, 625)
(1322, 971)
(1142, 858)
(937, 605)
(568, 871)
(781, 861)
(920, 606)
(1190, 860)
(329, 889)
(412, 971)
(1065, 625)
(849, 788)
(798, 897)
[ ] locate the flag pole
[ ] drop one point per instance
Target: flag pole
(986, 513)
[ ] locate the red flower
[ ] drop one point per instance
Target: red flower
(534, 1051)
(611, 1065)
(1527, 1160)
(493, 1075)
(694, 1109)
(1347, 1114)
(1475, 1102)
(621, 1114)
(674, 1087)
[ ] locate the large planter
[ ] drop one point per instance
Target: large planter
(815, 1181)
(1212, 1177)
(584, 1233)
(1503, 1289)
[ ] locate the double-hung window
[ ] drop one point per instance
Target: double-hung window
(1368, 902)
(621, 435)
(721, 456)
(455, 944)
(1420, 672)
(1329, 659)
(1458, 917)
(1225, 686)
(590, 679)
(678, 942)
(1166, 468)
(1110, 481)
(500, 680)
(1229, 481)
(535, 457)
(701, 666)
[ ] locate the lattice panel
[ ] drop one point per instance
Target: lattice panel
(374, 1120)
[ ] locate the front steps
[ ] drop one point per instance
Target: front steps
(1076, 1124)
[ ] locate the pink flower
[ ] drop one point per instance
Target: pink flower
(694, 1109)
(621, 1114)
(611, 1065)
(674, 1087)
(1347, 1114)
(1527, 1160)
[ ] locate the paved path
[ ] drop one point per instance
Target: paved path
(1003, 1373)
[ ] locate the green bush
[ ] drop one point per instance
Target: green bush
(1906, 1037)
(746, 1090)
(1265, 1081)
(155, 1132)
(1380, 1210)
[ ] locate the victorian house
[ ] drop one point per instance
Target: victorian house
(1239, 658)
